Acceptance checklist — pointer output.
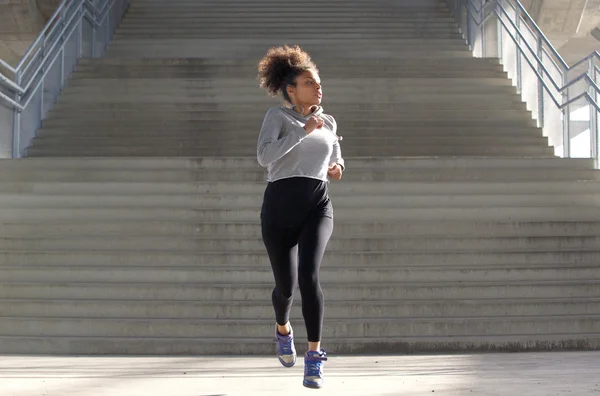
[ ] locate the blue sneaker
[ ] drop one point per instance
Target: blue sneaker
(286, 351)
(313, 368)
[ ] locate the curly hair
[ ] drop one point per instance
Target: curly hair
(280, 67)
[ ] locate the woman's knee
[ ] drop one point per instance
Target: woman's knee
(309, 283)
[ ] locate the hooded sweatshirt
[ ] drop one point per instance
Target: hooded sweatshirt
(286, 150)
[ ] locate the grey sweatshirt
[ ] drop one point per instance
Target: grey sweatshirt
(287, 150)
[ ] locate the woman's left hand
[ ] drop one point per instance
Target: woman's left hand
(335, 171)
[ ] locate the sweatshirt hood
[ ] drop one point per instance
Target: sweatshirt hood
(289, 110)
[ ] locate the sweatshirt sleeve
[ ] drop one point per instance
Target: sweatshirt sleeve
(270, 147)
(336, 155)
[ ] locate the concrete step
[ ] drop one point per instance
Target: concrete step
(253, 117)
(161, 309)
(190, 328)
(191, 201)
(309, 40)
(242, 275)
(193, 74)
(350, 259)
(152, 48)
(85, 187)
(261, 291)
(143, 75)
(244, 176)
(142, 40)
(445, 100)
(236, 244)
(349, 131)
(121, 110)
(235, 163)
(205, 141)
(237, 19)
(233, 30)
(365, 32)
(264, 11)
(519, 213)
(358, 62)
(250, 137)
(256, 102)
(334, 84)
(209, 24)
(416, 151)
(411, 90)
(260, 13)
(344, 229)
(193, 78)
(264, 346)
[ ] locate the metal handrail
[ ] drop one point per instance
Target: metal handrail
(566, 68)
(524, 12)
(23, 67)
(594, 54)
(26, 87)
(516, 27)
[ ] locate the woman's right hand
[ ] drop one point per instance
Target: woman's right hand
(313, 123)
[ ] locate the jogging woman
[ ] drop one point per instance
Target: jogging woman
(300, 149)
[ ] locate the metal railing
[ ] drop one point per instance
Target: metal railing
(77, 28)
(563, 99)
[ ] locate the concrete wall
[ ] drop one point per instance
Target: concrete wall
(20, 23)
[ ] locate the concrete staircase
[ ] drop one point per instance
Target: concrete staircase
(456, 228)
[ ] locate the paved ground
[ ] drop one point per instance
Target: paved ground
(527, 374)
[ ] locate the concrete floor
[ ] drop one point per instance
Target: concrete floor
(525, 374)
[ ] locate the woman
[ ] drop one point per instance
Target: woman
(299, 146)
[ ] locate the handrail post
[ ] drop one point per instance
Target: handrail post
(42, 85)
(540, 52)
(16, 152)
(593, 113)
(80, 35)
(483, 35)
(566, 121)
(499, 33)
(107, 38)
(62, 52)
(93, 44)
(468, 21)
(518, 53)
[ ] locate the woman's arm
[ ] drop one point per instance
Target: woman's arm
(270, 148)
(336, 155)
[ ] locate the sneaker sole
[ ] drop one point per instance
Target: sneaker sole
(311, 385)
(284, 364)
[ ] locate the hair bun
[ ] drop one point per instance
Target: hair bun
(280, 64)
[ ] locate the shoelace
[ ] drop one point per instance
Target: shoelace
(314, 366)
(285, 346)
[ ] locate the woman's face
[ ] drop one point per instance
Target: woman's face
(308, 90)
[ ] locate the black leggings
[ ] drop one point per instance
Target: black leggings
(297, 222)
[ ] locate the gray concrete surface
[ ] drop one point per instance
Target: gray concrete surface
(568, 25)
(465, 242)
(532, 374)
(20, 23)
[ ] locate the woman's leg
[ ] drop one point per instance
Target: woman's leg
(282, 248)
(313, 241)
